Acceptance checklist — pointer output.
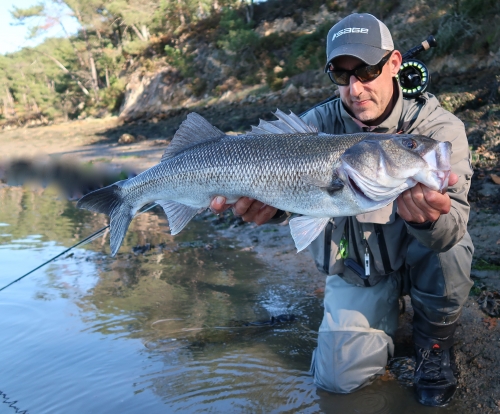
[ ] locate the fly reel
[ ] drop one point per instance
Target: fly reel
(413, 76)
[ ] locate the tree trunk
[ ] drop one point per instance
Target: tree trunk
(107, 78)
(93, 70)
(249, 11)
(145, 32)
(138, 33)
(181, 14)
(10, 110)
(35, 107)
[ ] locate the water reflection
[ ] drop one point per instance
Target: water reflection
(163, 330)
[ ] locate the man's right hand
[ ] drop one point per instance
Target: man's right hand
(249, 209)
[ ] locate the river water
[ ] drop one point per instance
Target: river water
(156, 332)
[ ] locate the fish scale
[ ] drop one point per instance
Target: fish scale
(316, 175)
(230, 169)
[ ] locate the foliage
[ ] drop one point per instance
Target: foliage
(111, 98)
(468, 26)
(177, 58)
(379, 8)
(86, 73)
(482, 264)
(237, 35)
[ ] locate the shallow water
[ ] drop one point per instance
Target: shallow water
(156, 332)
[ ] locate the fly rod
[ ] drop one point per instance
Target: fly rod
(84, 241)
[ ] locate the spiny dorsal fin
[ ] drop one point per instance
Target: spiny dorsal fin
(194, 130)
(286, 124)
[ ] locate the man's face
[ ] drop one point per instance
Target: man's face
(369, 101)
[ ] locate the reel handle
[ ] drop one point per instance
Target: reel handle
(425, 45)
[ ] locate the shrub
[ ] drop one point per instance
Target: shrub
(111, 98)
(179, 60)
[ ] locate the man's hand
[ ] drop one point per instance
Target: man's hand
(249, 209)
(420, 204)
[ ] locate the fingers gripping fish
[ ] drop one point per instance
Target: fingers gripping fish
(286, 164)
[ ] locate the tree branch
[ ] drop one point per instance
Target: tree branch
(65, 70)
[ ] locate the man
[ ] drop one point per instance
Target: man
(418, 245)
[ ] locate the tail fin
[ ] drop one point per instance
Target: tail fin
(109, 200)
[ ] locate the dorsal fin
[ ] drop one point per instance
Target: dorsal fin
(286, 124)
(194, 130)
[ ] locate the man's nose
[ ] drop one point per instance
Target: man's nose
(355, 86)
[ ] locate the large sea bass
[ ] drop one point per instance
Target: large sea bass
(286, 164)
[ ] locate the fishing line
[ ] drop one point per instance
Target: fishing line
(88, 239)
(11, 404)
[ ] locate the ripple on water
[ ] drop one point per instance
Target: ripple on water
(21, 314)
(371, 402)
(245, 380)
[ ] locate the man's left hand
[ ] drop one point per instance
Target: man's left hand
(420, 204)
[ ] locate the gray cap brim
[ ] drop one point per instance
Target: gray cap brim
(368, 54)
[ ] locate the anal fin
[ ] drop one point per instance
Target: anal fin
(179, 215)
(306, 229)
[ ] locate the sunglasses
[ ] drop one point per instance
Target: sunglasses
(365, 73)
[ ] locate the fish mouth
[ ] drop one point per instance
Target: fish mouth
(356, 188)
(442, 178)
(364, 200)
(369, 191)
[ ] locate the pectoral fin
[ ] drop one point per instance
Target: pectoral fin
(306, 229)
(330, 187)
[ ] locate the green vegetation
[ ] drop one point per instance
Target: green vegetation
(482, 264)
(209, 46)
(467, 26)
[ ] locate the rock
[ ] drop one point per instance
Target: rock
(141, 138)
(291, 93)
(489, 189)
(228, 96)
(126, 139)
(277, 69)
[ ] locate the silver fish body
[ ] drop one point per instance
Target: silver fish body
(286, 164)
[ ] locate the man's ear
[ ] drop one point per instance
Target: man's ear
(395, 62)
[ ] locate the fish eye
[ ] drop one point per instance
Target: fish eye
(409, 143)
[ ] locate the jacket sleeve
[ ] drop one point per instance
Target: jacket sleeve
(449, 229)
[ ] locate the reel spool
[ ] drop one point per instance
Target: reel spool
(413, 77)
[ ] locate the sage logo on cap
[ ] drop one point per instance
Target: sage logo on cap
(350, 30)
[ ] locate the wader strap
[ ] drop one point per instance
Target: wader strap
(327, 247)
(383, 249)
(352, 240)
(352, 237)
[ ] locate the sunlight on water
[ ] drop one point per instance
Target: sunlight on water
(157, 332)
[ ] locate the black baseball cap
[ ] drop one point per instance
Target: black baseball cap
(360, 35)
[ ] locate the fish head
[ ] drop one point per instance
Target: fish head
(382, 166)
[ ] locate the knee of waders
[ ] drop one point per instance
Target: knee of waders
(348, 360)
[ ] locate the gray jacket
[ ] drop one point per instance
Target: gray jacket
(382, 234)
